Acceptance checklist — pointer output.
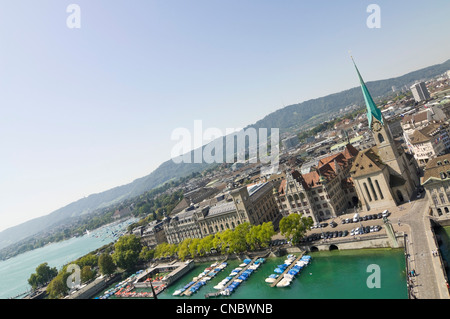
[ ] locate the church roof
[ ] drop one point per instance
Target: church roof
(367, 162)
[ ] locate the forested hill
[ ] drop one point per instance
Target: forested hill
(297, 114)
(285, 118)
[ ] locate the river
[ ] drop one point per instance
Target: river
(14, 272)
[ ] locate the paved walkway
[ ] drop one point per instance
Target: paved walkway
(429, 282)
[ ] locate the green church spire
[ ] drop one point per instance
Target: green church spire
(372, 110)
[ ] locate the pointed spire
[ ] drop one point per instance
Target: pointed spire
(372, 110)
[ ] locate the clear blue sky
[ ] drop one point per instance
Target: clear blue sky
(84, 110)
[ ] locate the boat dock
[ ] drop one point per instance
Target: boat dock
(280, 277)
(188, 292)
(215, 294)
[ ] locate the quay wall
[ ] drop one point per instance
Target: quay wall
(354, 243)
(93, 288)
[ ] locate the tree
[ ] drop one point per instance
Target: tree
(265, 234)
(294, 227)
(42, 275)
(126, 252)
(87, 274)
(183, 248)
(146, 254)
(106, 264)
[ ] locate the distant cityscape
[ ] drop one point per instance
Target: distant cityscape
(323, 176)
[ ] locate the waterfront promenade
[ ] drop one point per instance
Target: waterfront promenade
(429, 282)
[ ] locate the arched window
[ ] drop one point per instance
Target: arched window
(400, 196)
(380, 138)
(379, 189)
(372, 188)
(367, 192)
(446, 210)
(441, 197)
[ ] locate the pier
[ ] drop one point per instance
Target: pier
(215, 294)
(187, 292)
(280, 277)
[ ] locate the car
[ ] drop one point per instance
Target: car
(323, 225)
(343, 221)
(352, 232)
(364, 218)
(345, 233)
(385, 213)
(348, 220)
(369, 217)
(333, 224)
(377, 228)
(367, 229)
(340, 233)
(335, 234)
(374, 216)
(379, 215)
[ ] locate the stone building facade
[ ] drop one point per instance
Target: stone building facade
(436, 182)
(325, 192)
(254, 204)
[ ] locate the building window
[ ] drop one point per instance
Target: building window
(441, 197)
(372, 188)
(367, 192)
(379, 189)
(380, 138)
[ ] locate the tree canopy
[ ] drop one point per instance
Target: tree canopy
(294, 227)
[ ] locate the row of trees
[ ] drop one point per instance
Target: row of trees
(244, 237)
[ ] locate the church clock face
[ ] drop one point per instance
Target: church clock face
(376, 126)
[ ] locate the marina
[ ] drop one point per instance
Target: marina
(229, 284)
(201, 280)
(337, 274)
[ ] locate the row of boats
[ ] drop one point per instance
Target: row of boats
(227, 288)
(121, 286)
(291, 273)
(240, 274)
(201, 280)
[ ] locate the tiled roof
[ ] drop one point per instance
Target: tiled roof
(367, 162)
(435, 167)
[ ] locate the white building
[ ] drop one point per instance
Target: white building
(427, 143)
(420, 92)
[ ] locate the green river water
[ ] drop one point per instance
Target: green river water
(331, 275)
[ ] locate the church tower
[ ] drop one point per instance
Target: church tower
(389, 152)
(385, 174)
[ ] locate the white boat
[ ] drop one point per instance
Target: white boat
(242, 265)
(271, 279)
(284, 282)
(178, 292)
